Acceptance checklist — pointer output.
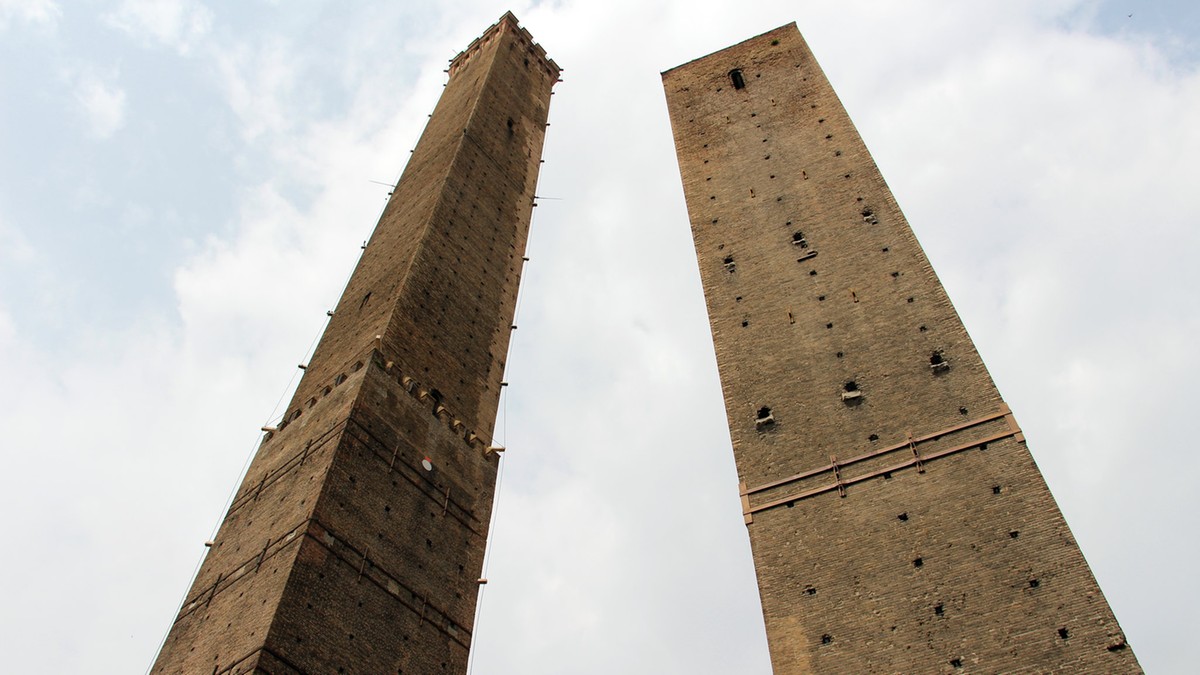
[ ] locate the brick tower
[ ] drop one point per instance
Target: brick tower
(356, 541)
(897, 521)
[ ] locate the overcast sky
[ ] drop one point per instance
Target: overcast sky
(184, 187)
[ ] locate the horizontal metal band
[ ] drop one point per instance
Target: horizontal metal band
(916, 459)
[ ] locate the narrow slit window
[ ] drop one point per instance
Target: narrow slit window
(735, 76)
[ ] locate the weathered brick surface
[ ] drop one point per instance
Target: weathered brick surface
(905, 530)
(343, 552)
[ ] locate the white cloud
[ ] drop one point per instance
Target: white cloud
(102, 103)
(177, 24)
(45, 13)
(260, 84)
(14, 246)
(1048, 198)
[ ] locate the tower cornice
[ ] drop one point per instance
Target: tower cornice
(507, 23)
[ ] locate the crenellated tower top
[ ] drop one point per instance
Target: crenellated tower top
(507, 23)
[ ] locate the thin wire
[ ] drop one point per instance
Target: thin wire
(487, 555)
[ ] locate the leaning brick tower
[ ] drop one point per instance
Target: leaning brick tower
(897, 521)
(356, 541)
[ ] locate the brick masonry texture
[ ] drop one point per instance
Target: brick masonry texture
(897, 521)
(342, 551)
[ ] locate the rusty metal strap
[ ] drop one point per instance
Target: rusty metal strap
(359, 433)
(842, 481)
(241, 571)
(290, 463)
(373, 572)
(907, 444)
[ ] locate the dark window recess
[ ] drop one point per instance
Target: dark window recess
(1034, 583)
(868, 216)
(939, 609)
(995, 489)
(938, 362)
(918, 562)
(851, 392)
(903, 516)
(826, 639)
(764, 418)
(798, 239)
(729, 265)
(1064, 633)
(957, 663)
(735, 76)
(510, 126)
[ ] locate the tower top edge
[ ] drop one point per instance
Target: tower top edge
(507, 23)
(789, 29)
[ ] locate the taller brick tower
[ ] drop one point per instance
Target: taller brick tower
(898, 523)
(356, 541)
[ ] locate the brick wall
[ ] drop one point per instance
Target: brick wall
(897, 521)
